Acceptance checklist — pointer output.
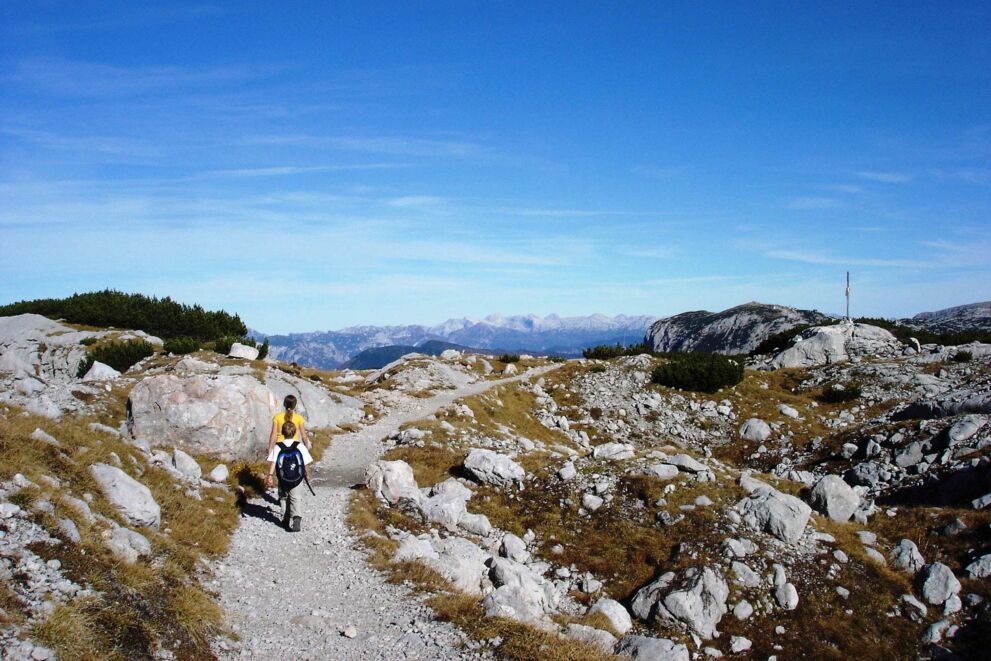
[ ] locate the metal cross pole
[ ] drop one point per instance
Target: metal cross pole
(848, 296)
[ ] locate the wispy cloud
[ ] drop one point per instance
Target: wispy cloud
(393, 145)
(810, 257)
(981, 176)
(416, 201)
(843, 188)
(885, 177)
(810, 203)
(283, 170)
(653, 253)
(89, 79)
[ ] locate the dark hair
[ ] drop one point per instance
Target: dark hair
(288, 430)
(290, 403)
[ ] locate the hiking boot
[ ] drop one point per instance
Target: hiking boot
(297, 522)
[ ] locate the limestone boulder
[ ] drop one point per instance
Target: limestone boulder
(603, 640)
(186, 465)
(131, 498)
(768, 510)
(937, 583)
(222, 415)
(244, 351)
(906, 556)
(834, 498)
(755, 429)
(126, 544)
(392, 481)
(219, 474)
(101, 372)
(488, 467)
(695, 598)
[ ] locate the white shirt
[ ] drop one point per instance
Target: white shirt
(273, 455)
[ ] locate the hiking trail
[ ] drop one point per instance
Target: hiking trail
(294, 594)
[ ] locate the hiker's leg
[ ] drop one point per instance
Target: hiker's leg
(294, 498)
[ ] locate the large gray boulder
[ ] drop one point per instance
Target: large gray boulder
(225, 416)
(126, 544)
(937, 583)
(131, 498)
(906, 556)
(530, 591)
(603, 640)
(392, 481)
(490, 467)
(646, 648)
(963, 429)
(755, 429)
(834, 498)
(694, 597)
(457, 560)
(186, 465)
(447, 509)
(239, 350)
(824, 345)
(101, 372)
(768, 510)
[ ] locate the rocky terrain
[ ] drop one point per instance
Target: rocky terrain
(736, 330)
(835, 503)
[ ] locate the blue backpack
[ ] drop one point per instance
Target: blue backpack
(289, 465)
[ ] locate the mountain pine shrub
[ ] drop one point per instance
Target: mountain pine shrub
(509, 358)
(181, 345)
(222, 345)
(963, 357)
(263, 350)
(118, 355)
(159, 316)
(607, 351)
(700, 372)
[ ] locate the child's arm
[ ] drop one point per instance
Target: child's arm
(270, 478)
(303, 435)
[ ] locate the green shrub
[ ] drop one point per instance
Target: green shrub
(963, 357)
(509, 358)
(701, 372)
(181, 345)
(118, 355)
(222, 345)
(263, 350)
(903, 333)
(87, 341)
(158, 316)
(597, 369)
(837, 393)
(606, 351)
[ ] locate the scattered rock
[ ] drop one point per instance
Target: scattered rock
(131, 498)
(834, 498)
(755, 429)
(490, 467)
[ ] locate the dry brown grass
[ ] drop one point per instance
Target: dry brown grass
(141, 605)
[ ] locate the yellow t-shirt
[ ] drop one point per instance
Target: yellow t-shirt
(280, 419)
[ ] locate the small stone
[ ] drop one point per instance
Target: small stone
(349, 632)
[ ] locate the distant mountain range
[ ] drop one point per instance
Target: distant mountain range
(736, 330)
(552, 334)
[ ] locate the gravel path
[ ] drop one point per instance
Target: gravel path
(295, 595)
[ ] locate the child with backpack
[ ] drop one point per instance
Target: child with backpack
(288, 460)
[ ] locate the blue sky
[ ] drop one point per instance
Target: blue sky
(317, 165)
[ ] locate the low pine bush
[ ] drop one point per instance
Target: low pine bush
(838, 394)
(700, 372)
(509, 358)
(181, 345)
(118, 355)
(607, 351)
(263, 350)
(963, 357)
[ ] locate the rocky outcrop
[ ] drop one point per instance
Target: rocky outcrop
(973, 316)
(825, 345)
(733, 331)
(392, 480)
(834, 498)
(768, 510)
